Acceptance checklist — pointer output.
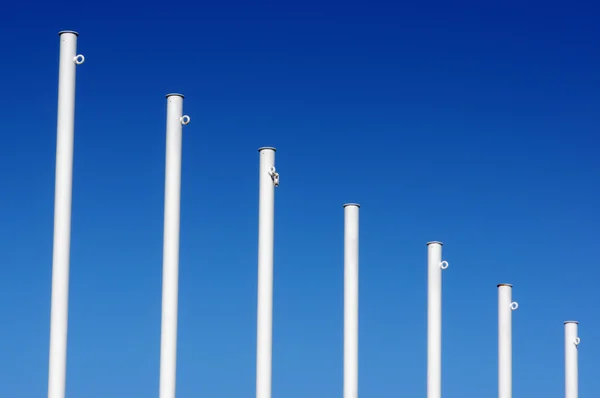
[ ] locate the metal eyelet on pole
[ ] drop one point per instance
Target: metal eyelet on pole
(79, 59)
(274, 176)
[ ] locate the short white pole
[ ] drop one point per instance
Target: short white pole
(59, 312)
(351, 222)
(505, 308)
(571, 358)
(170, 288)
(435, 265)
(268, 180)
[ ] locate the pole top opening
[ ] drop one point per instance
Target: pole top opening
(575, 322)
(504, 284)
(175, 94)
(68, 31)
(435, 242)
(351, 204)
(263, 148)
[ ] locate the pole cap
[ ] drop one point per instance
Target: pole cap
(351, 204)
(504, 284)
(262, 148)
(435, 242)
(68, 31)
(571, 322)
(175, 94)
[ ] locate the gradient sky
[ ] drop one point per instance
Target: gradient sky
(471, 123)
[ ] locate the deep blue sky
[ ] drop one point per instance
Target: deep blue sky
(473, 124)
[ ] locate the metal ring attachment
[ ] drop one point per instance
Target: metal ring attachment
(444, 264)
(185, 119)
(78, 59)
(274, 176)
(514, 305)
(577, 341)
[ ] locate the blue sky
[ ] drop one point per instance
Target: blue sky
(473, 124)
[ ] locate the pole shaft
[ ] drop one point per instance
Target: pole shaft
(504, 341)
(434, 320)
(170, 288)
(264, 335)
(62, 216)
(351, 265)
(571, 359)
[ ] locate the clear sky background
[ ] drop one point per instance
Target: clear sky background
(474, 124)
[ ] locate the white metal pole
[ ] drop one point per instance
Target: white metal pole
(571, 358)
(435, 265)
(170, 288)
(505, 308)
(59, 312)
(268, 180)
(351, 234)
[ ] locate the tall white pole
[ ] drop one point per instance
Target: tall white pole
(59, 312)
(170, 288)
(268, 180)
(351, 213)
(571, 358)
(505, 308)
(435, 265)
